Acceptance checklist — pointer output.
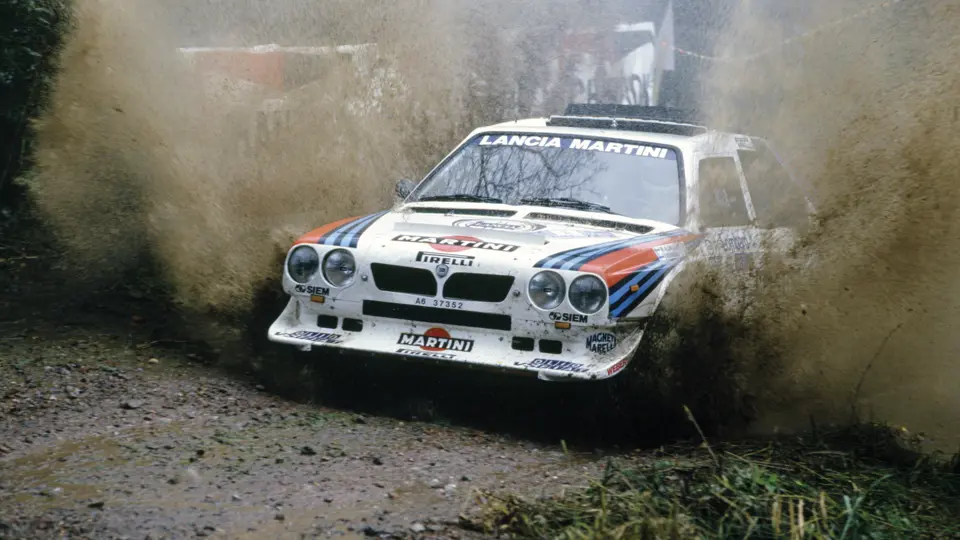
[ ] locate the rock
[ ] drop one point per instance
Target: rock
(97, 505)
(279, 517)
(360, 420)
(418, 527)
(153, 361)
(377, 461)
(464, 478)
(379, 484)
(308, 451)
(370, 530)
(132, 404)
(450, 487)
(236, 497)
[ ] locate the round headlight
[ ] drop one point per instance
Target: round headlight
(546, 290)
(587, 294)
(339, 267)
(303, 264)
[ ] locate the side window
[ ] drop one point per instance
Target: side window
(720, 194)
(778, 201)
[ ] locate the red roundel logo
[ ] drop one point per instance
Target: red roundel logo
(453, 249)
(436, 333)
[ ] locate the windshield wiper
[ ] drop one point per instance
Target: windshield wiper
(566, 202)
(461, 197)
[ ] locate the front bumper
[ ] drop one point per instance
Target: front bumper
(534, 347)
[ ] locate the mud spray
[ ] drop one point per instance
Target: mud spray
(864, 108)
(138, 163)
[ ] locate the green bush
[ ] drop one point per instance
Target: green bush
(30, 36)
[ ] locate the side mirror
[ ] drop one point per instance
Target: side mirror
(405, 187)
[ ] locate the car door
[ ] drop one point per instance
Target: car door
(726, 215)
(782, 209)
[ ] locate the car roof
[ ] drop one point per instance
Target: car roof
(540, 125)
(682, 129)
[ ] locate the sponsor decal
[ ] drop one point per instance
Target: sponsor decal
(601, 342)
(568, 317)
(445, 259)
(555, 365)
(348, 234)
(737, 243)
(671, 251)
(579, 233)
(316, 337)
(498, 225)
(590, 145)
(453, 244)
(616, 368)
(427, 354)
(312, 291)
(574, 259)
(436, 339)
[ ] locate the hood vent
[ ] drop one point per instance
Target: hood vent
(591, 222)
(462, 211)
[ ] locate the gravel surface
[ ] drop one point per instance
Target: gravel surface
(110, 427)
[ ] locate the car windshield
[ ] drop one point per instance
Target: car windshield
(623, 177)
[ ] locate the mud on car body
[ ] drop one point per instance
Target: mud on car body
(540, 245)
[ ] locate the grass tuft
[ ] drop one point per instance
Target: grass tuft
(868, 481)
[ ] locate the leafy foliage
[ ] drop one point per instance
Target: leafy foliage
(30, 36)
(866, 482)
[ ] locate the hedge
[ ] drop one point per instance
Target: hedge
(30, 35)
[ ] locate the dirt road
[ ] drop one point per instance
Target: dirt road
(109, 429)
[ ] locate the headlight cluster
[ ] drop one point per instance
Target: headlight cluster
(303, 264)
(587, 293)
(339, 266)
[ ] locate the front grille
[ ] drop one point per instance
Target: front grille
(403, 279)
(390, 310)
(478, 287)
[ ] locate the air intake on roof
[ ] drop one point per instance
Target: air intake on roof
(637, 112)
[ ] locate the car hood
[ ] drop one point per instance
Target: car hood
(518, 234)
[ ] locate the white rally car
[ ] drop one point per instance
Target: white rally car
(540, 246)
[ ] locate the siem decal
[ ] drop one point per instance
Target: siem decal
(316, 337)
(445, 259)
(451, 244)
(590, 145)
(555, 365)
(616, 368)
(313, 291)
(427, 354)
(568, 317)
(602, 342)
(436, 339)
(498, 225)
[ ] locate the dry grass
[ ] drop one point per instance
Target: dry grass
(863, 482)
